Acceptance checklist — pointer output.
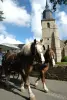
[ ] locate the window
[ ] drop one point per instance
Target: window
(48, 25)
(47, 38)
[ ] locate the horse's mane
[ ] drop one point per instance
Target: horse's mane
(50, 49)
(29, 46)
(49, 52)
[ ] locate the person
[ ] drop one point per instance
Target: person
(1, 58)
(6, 55)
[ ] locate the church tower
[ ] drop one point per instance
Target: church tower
(50, 33)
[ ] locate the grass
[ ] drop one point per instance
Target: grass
(61, 63)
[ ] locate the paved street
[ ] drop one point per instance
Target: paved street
(58, 91)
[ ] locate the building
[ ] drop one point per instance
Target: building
(50, 34)
(11, 47)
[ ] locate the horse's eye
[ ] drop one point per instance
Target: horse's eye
(44, 47)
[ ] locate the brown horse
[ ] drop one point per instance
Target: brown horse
(49, 61)
(22, 62)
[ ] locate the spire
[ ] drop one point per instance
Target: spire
(46, 7)
(47, 13)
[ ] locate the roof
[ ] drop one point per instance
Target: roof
(47, 13)
(52, 19)
(8, 46)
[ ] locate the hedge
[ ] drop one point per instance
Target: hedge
(64, 59)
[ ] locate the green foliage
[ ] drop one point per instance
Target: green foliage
(60, 2)
(1, 18)
(64, 59)
(65, 42)
(2, 0)
(1, 13)
(61, 63)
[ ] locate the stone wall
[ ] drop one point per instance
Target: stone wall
(59, 73)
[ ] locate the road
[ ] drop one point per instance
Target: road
(58, 91)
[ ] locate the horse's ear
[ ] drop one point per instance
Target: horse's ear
(44, 47)
(35, 41)
(41, 40)
(48, 47)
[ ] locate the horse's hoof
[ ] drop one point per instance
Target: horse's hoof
(45, 88)
(46, 91)
(36, 84)
(32, 98)
(22, 89)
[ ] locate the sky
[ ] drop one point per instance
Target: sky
(22, 21)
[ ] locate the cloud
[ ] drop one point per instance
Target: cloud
(28, 40)
(31, 39)
(15, 14)
(6, 37)
(61, 19)
(37, 8)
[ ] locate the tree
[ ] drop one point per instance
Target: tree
(60, 2)
(2, 0)
(1, 18)
(1, 13)
(65, 42)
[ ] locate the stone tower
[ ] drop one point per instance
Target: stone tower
(50, 33)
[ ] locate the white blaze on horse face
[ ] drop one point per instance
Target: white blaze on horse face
(42, 58)
(39, 48)
(53, 61)
(40, 51)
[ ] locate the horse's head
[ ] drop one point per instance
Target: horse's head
(38, 49)
(50, 57)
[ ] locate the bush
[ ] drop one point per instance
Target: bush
(64, 59)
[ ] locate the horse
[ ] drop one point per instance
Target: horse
(49, 61)
(22, 62)
(5, 57)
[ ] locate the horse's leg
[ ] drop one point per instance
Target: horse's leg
(22, 80)
(22, 87)
(31, 94)
(36, 82)
(27, 73)
(43, 78)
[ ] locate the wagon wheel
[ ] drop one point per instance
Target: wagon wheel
(15, 75)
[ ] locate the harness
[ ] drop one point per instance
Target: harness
(43, 66)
